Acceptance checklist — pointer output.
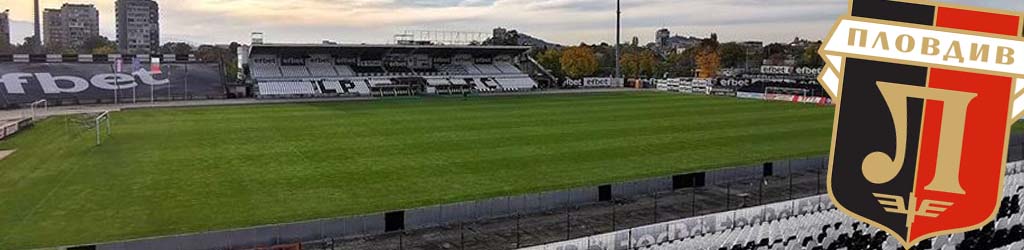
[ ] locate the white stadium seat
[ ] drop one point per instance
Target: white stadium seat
(344, 70)
(294, 71)
(320, 74)
(827, 228)
(287, 88)
(507, 68)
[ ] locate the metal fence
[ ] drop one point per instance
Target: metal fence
(535, 219)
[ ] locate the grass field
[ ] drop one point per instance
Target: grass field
(170, 171)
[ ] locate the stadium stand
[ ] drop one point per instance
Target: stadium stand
(453, 69)
(294, 71)
(344, 70)
(507, 68)
(823, 228)
(472, 69)
(287, 88)
(516, 84)
(321, 66)
(385, 70)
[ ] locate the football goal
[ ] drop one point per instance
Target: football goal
(778, 93)
(35, 108)
(100, 120)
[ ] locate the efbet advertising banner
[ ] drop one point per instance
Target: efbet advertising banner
(28, 82)
(926, 94)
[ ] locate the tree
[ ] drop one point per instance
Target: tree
(810, 57)
(98, 44)
(28, 47)
(550, 59)
(227, 57)
(776, 53)
(733, 55)
(54, 48)
(578, 62)
(639, 63)
(707, 58)
(682, 64)
(104, 50)
(176, 48)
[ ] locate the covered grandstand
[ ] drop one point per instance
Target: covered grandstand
(313, 70)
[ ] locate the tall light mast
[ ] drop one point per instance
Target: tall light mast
(38, 38)
(618, 38)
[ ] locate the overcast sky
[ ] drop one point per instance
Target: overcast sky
(561, 21)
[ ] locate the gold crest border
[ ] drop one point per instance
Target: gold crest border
(841, 73)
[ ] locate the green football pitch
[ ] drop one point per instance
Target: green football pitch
(182, 170)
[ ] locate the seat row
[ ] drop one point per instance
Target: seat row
(807, 228)
(268, 70)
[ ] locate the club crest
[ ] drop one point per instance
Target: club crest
(925, 96)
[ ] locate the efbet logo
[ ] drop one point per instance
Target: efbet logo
(926, 94)
(13, 83)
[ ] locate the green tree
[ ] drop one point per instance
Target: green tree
(578, 62)
(776, 53)
(98, 43)
(226, 56)
(105, 50)
(681, 64)
(54, 48)
(810, 57)
(176, 48)
(550, 59)
(28, 47)
(732, 55)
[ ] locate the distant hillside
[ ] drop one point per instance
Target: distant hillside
(503, 36)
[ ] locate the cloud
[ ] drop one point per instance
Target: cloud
(564, 21)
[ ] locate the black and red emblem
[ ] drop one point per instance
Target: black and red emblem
(925, 96)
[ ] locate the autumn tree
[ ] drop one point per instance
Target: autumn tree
(708, 58)
(578, 62)
(639, 63)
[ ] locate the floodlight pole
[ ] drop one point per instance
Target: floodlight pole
(618, 37)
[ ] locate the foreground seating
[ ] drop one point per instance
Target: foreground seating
(820, 227)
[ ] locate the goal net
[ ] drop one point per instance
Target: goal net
(39, 107)
(785, 94)
(99, 123)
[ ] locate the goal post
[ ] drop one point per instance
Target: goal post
(784, 93)
(35, 105)
(100, 120)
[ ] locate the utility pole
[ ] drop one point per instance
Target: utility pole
(618, 37)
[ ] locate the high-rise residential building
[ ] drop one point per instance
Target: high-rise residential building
(5, 28)
(138, 26)
(53, 28)
(70, 26)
